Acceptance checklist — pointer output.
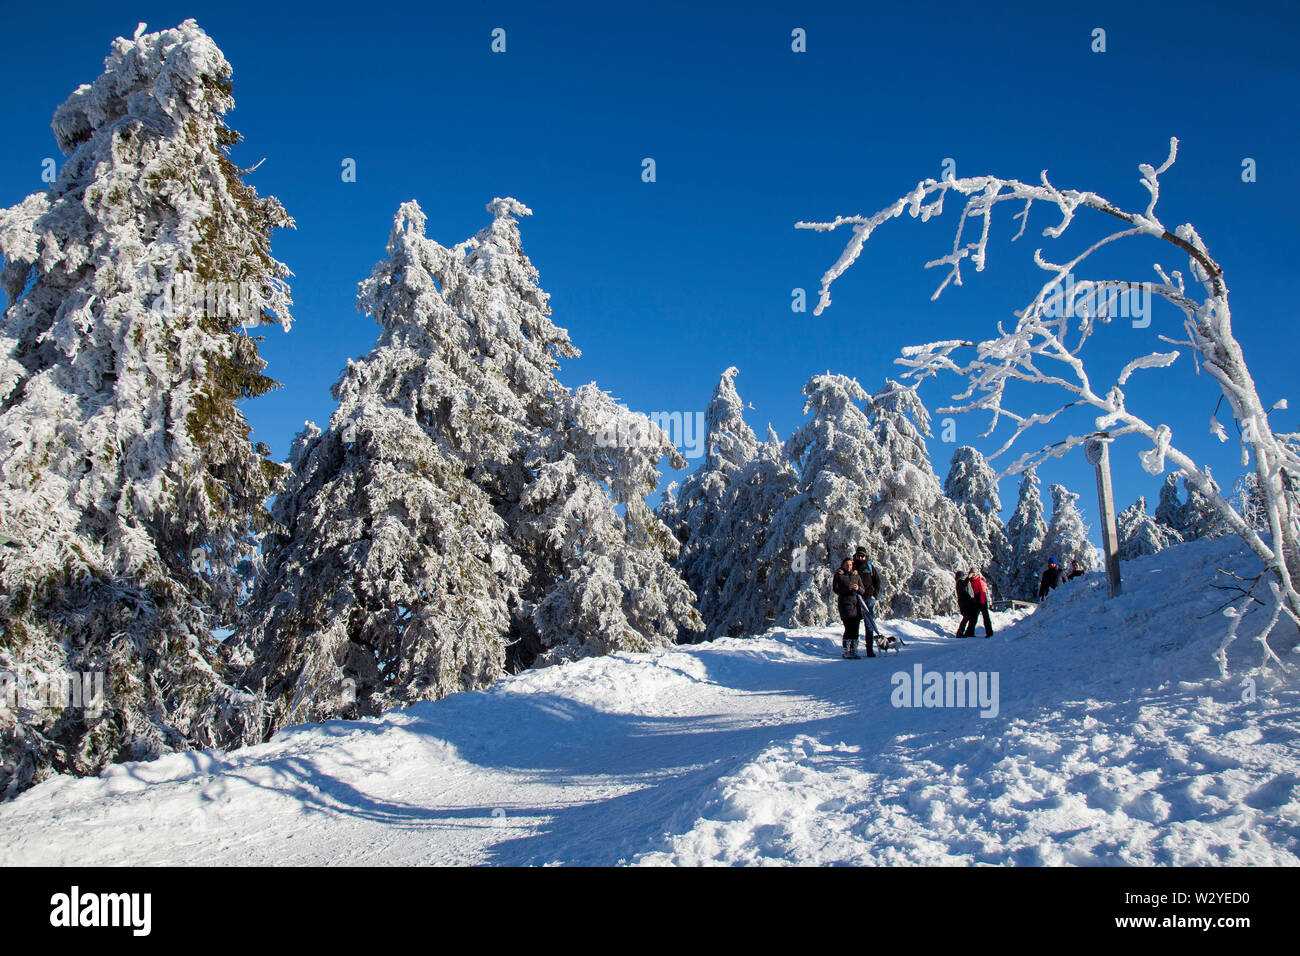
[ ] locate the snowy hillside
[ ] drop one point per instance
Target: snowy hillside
(1114, 742)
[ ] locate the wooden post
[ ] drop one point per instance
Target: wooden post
(1098, 454)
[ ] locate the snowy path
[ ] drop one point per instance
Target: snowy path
(1115, 743)
(585, 763)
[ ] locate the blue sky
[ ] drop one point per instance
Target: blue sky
(665, 284)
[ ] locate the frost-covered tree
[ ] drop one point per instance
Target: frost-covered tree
(392, 578)
(1141, 533)
(1169, 507)
(1192, 517)
(693, 513)
(744, 590)
(1250, 501)
(1045, 344)
(1026, 532)
(598, 562)
(462, 501)
(865, 479)
(838, 467)
(973, 486)
(1200, 518)
(927, 536)
(127, 473)
(1067, 535)
(730, 445)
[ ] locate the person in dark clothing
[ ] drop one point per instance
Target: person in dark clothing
(1051, 579)
(847, 585)
(981, 606)
(1076, 569)
(965, 604)
(871, 586)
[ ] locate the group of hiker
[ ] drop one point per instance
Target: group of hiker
(857, 585)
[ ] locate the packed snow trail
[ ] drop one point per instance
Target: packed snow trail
(584, 763)
(1115, 742)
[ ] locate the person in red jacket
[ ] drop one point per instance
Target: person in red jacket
(981, 605)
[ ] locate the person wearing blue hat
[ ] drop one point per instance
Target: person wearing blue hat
(1051, 578)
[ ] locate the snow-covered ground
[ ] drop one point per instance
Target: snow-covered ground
(1115, 741)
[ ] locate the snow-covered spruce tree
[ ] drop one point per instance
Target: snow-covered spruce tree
(459, 496)
(1067, 535)
(1250, 501)
(1169, 507)
(1193, 517)
(392, 577)
(1025, 534)
(865, 479)
(599, 579)
(127, 472)
(744, 591)
(834, 456)
(596, 563)
(927, 536)
(1045, 345)
(1199, 517)
(973, 486)
(694, 512)
(1141, 534)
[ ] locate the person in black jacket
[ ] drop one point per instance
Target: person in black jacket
(871, 586)
(966, 604)
(1051, 578)
(847, 585)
